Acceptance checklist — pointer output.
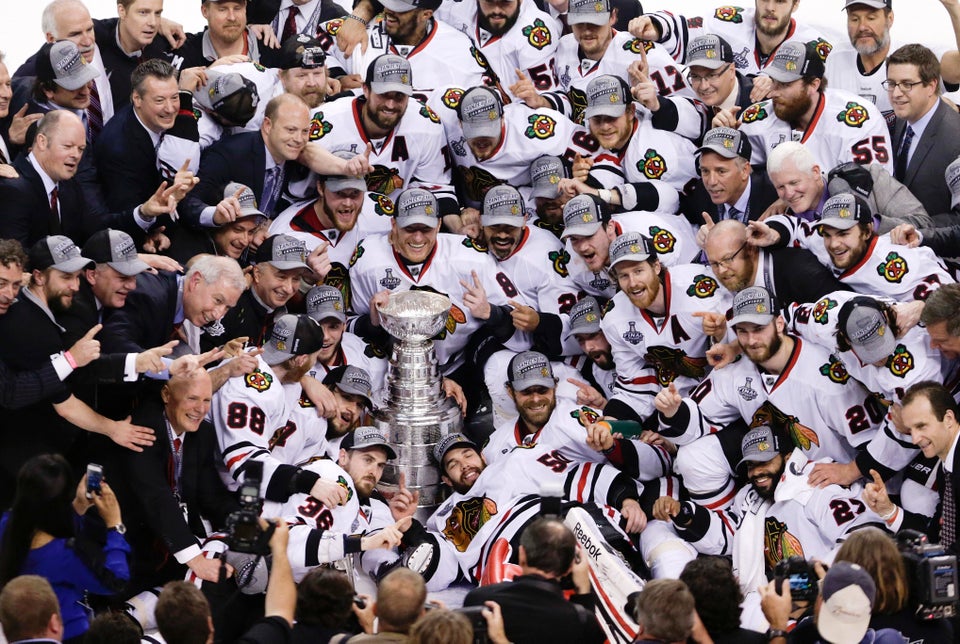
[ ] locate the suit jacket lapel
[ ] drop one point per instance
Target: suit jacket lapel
(925, 144)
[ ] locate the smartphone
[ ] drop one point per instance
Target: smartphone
(94, 479)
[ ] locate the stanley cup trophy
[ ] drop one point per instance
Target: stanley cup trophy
(417, 413)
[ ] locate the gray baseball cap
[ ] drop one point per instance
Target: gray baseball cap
(873, 4)
(710, 51)
(351, 380)
(608, 96)
(57, 252)
(866, 328)
(793, 61)
(403, 6)
(844, 211)
(631, 247)
(283, 252)
(338, 182)
(248, 200)
(530, 369)
(753, 305)
(390, 73)
(481, 113)
(447, 443)
(502, 205)
(582, 216)
(116, 249)
(727, 142)
(231, 96)
(292, 335)
(585, 316)
(416, 206)
(952, 177)
(325, 302)
(367, 436)
(62, 63)
(759, 445)
(594, 12)
(545, 174)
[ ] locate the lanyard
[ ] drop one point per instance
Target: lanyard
(177, 459)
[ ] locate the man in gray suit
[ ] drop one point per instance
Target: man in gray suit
(926, 137)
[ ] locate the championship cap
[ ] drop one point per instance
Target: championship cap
(545, 175)
(350, 380)
(585, 316)
(283, 252)
(759, 445)
(850, 177)
(753, 305)
(582, 216)
(793, 61)
(848, 592)
(952, 176)
(403, 6)
(447, 443)
(530, 369)
(338, 182)
(300, 51)
(248, 201)
(844, 211)
(324, 302)
(116, 249)
(608, 96)
(390, 73)
(866, 328)
(631, 247)
(594, 12)
(292, 335)
(873, 4)
(727, 142)
(502, 205)
(58, 252)
(231, 96)
(416, 206)
(62, 63)
(481, 113)
(367, 436)
(710, 51)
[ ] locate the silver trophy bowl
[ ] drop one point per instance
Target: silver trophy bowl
(414, 316)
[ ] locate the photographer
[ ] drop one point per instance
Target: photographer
(442, 626)
(876, 553)
(400, 602)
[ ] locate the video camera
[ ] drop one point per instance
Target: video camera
(932, 573)
(803, 579)
(243, 526)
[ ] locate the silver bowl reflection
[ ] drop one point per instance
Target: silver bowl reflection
(414, 316)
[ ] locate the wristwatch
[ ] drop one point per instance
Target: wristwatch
(119, 528)
(773, 633)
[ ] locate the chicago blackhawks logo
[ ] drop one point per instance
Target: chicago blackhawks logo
(452, 97)
(333, 26)
(339, 278)
(703, 286)
(636, 46)
(854, 115)
(768, 414)
(578, 102)
(342, 482)
(538, 34)
(821, 309)
(560, 259)
(466, 519)
(672, 363)
(318, 127)
(901, 362)
(893, 268)
(694, 23)
(729, 14)
(384, 180)
(756, 112)
(652, 165)
(663, 240)
(473, 244)
(476, 181)
(585, 415)
(835, 371)
(428, 113)
(357, 253)
(259, 380)
(382, 204)
(778, 543)
(822, 47)
(541, 126)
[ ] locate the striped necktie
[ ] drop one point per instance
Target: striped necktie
(94, 114)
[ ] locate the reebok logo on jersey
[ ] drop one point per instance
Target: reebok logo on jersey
(901, 362)
(729, 14)
(258, 380)
(755, 112)
(652, 165)
(893, 268)
(821, 308)
(663, 240)
(541, 126)
(835, 371)
(538, 34)
(855, 115)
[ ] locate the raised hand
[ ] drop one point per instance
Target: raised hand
(403, 504)
(86, 349)
(668, 401)
(475, 298)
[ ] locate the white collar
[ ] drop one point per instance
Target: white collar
(48, 183)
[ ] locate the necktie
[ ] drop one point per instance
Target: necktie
(900, 169)
(734, 213)
(3, 157)
(290, 26)
(55, 211)
(176, 445)
(94, 114)
(271, 190)
(948, 515)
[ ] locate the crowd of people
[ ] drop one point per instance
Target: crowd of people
(702, 300)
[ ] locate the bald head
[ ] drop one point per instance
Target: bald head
(186, 400)
(733, 260)
(400, 600)
(59, 144)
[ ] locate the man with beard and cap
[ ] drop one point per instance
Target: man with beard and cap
(544, 198)
(303, 69)
(596, 377)
(835, 124)
(777, 516)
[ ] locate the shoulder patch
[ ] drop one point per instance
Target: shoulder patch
(822, 47)
(471, 243)
(541, 126)
(260, 68)
(585, 415)
(318, 127)
(652, 165)
(835, 371)
(901, 362)
(560, 259)
(357, 253)
(538, 34)
(636, 46)
(854, 115)
(893, 268)
(756, 112)
(694, 22)
(663, 240)
(703, 287)
(729, 14)
(382, 204)
(333, 26)
(259, 380)
(429, 114)
(451, 98)
(609, 306)
(822, 308)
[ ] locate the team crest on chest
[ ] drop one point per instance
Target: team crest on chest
(703, 287)
(729, 14)
(259, 380)
(778, 543)
(465, 520)
(756, 112)
(631, 335)
(652, 165)
(901, 362)
(835, 371)
(663, 240)
(893, 268)
(541, 126)
(854, 115)
(384, 180)
(389, 281)
(821, 308)
(538, 34)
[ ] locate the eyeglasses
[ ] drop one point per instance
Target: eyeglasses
(712, 77)
(726, 261)
(904, 86)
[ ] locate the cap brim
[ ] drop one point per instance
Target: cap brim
(453, 446)
(73, 265)
(876, 349)
(727, 153)
(326, 314)
(585, 230)
(336, 184)
(599, 19)
(709, 63)
(613, 110)
(874, 4)
(386, 88)
(757, 458)
(760, 319)
(348, 388)
(551, 191)
(272, 356)
(849, 628)
(781, 75)
(590, 329)
(389, 450)
(287, 266)
(501, 220)
(426, 220)
(489, 129)
(73, 83)
(398, 6)
(129, 268)
(630, 257)
(837, 222)
(251, 212)
(540, 381)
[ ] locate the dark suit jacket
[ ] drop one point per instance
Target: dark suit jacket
(535, 611)
(145, 491)
(937, 148)
(697, 200)
(798, 276)
(241, 158)
(248, 318)
(146, 320)
(126, 161)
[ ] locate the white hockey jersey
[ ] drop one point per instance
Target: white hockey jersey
(353, 350)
